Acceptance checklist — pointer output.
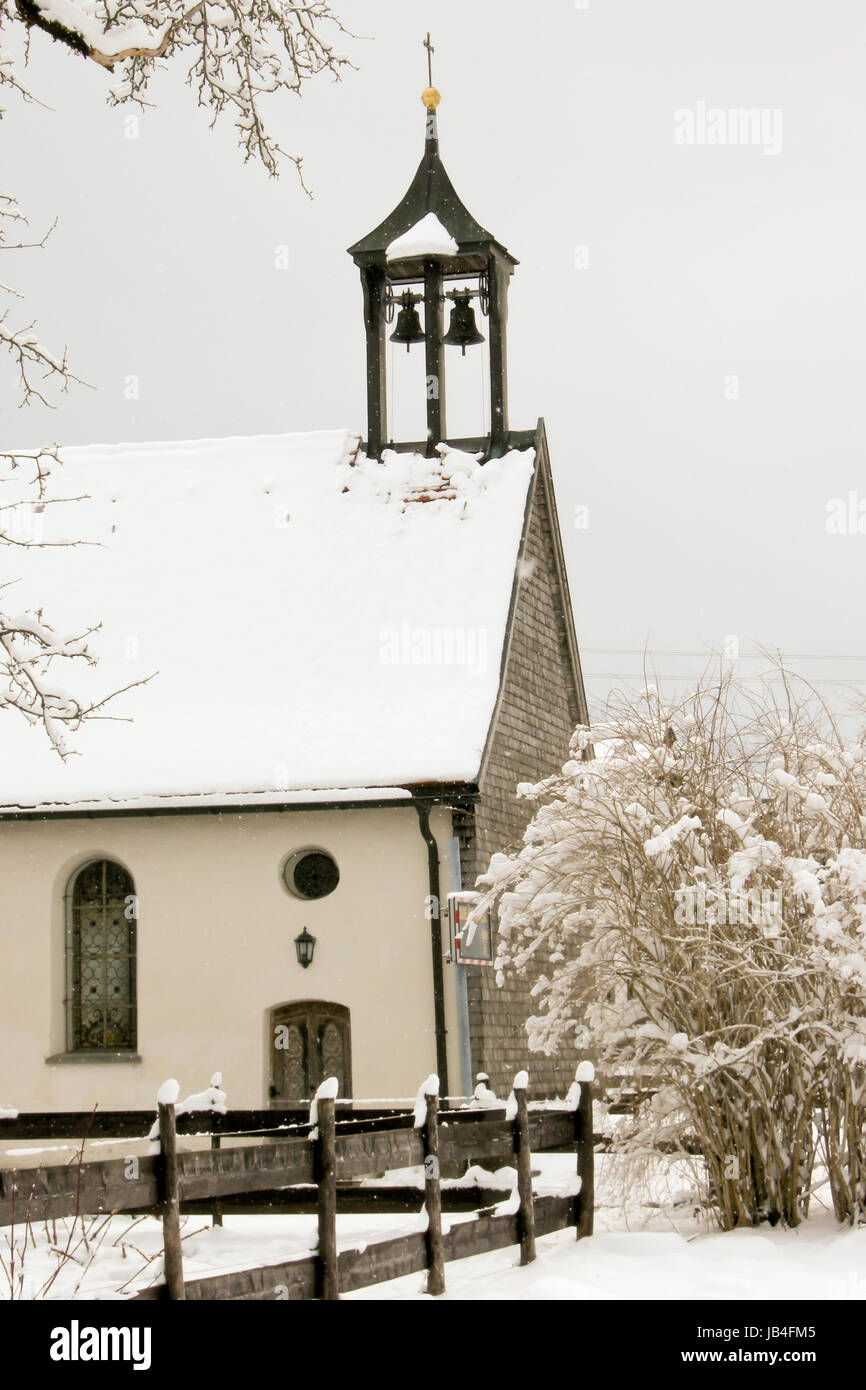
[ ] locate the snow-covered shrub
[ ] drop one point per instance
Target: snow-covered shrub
(697, 876)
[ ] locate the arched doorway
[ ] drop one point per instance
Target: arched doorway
(310, 1039)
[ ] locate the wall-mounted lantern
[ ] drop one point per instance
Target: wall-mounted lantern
(305, 945)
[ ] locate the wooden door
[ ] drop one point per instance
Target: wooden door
(310, 1040)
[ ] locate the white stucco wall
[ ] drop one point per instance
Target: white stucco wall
(216, 951)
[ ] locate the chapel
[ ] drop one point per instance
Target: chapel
(339, 654)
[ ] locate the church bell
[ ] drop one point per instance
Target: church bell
(463, 330)
(408, 328)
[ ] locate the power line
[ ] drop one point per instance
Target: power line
(690, 675)
(747, 656)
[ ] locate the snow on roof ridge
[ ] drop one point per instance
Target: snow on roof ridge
(136, 448)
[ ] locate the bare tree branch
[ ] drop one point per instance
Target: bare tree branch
(238, 51)
(32, 652)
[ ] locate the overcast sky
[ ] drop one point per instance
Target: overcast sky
(689, 318)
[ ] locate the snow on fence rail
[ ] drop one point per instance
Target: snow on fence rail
(58, 1125)
(340, 1152)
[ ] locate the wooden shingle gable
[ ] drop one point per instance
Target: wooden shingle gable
(540, 700)
(540, 498)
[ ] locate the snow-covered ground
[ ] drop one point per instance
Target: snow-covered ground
(815, 1262)
(651, 1242)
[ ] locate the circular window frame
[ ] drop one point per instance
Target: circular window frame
(290, 865)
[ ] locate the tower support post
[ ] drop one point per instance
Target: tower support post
(434, 354)
(498, 275)
(375, 290)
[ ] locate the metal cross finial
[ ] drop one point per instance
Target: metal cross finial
(430, 51)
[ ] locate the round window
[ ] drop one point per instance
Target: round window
(311, 874)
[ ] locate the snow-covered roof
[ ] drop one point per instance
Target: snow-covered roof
(314, 621)
(427, 238)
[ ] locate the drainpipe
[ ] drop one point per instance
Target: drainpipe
(424, 808)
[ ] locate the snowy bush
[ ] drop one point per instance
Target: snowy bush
(696, 874)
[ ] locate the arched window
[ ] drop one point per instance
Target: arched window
(101, 923)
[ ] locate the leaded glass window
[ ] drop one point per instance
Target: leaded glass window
(101, 965)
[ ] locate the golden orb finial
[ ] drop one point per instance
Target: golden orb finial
(430, 96)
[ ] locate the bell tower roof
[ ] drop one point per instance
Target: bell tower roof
(431, 192)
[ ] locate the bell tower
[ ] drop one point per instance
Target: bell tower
(430, 250)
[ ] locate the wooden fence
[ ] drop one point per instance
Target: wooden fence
(301, 1166)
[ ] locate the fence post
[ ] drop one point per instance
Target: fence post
(433, 1199)
(526, 1215)
(216, 1206)
(326, 1180)
(172, 1253)
(585, 1150)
